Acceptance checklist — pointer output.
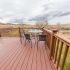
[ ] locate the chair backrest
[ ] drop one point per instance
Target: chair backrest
(27, 36)
(42, 37)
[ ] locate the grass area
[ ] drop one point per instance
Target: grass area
(67, 33)
(68, 55)
(67, 60)
(14, 33)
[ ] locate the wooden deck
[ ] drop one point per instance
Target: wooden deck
(16, 56)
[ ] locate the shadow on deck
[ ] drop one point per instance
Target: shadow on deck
(16, 56)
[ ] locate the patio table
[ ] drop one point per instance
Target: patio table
(35, 32)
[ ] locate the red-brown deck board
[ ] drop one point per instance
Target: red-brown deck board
(16, 56)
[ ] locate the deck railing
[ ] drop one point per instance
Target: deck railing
(57, 45)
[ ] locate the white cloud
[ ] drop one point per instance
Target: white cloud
(29, 8)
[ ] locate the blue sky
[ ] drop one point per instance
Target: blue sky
(26, 9)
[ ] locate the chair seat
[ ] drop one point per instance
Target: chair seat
(41, 38)
(27, 37)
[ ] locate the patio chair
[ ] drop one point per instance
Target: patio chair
(41, 38)
(28, 38)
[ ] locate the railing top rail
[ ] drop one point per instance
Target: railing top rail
(49, 31)
(63, 38)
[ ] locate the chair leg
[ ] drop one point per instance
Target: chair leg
(37, 45)
(35, 41)
(25, 42)
(31, 44)
(21, 40)
(45, 44)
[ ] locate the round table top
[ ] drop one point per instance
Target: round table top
(35, 31)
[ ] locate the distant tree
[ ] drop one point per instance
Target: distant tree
(41, 24)
(59, 26)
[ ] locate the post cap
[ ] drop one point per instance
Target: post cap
(55, 30)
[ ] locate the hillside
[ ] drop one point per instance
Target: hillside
(59, 26)
(15, 25)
